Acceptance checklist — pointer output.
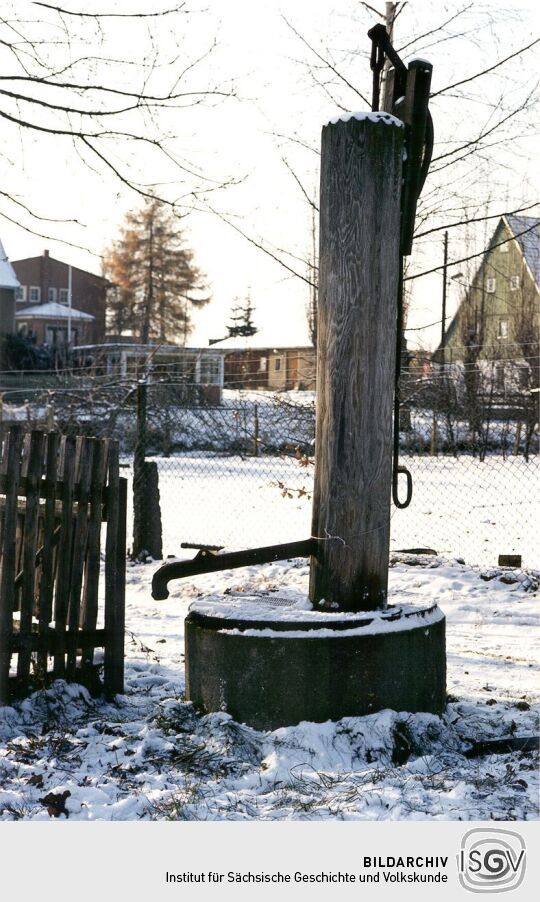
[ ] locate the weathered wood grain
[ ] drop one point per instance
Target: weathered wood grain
(361, 168)
(32, 464)
(8, 557)
(63, 579)
(46, 586)
(89, 604)
(83, 469)
(115, 577)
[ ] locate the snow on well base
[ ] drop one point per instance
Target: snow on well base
(273, 666)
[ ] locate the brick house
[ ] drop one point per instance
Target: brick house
(43, 302)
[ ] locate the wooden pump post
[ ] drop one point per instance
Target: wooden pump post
(361, 174)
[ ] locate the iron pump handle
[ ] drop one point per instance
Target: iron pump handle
(408, 100)
(407, 97)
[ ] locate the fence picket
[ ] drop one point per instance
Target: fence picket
(115, 573)
(53, 498)
(89, 604)
(46, 586)
(85, 451)
(64, 555)
(8, 558)
(32, 467)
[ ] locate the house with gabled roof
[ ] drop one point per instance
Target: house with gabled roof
(496, 326)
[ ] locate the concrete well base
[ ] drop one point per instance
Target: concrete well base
(272, 674)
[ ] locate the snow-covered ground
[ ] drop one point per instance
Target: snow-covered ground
(152, 756)
(461, 506)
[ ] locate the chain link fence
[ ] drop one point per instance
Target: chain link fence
(240, 474)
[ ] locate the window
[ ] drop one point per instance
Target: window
(51, 295)
(499, 378)
(514, 283)
(263, 363)
(57, 335)
(64, 296)
(277, 364)
(523, 377)
(209, 371)
(34, 294)
(503, 328)
(20, 294)
(504, 248)
(491, 285)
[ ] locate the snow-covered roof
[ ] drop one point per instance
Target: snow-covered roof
(254, 343)
(529, 241)
(131, 348)
(52, 311)
(8, 279)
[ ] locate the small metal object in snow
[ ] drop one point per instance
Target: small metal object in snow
(202, 550)
(509, 560)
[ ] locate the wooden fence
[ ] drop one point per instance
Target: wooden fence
(55, 492)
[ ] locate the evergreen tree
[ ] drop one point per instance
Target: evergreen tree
(155, 281)
(242, 319)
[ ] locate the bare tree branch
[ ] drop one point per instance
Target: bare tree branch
(465, 81)
(259, 245)
(472, 219)
(326, 62)
(427, 272)
(151, 15)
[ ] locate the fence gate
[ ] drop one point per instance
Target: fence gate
(55, 492)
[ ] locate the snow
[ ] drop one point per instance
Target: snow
(54, 310)
(8, 278)
(387, 118)
(150, 755)
(460, 506)
(375, 627)
(296, 609)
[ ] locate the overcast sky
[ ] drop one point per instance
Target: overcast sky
(284, 94)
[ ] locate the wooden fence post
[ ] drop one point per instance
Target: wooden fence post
(12, 457)
(115, 577)
(139, 458)
(361, 173)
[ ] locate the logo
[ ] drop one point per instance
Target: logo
(491, 861)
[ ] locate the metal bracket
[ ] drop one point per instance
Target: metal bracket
(407, 97)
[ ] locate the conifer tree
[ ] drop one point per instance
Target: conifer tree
(155, 281)
(242, 319)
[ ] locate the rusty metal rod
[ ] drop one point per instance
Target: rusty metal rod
(210, 563)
